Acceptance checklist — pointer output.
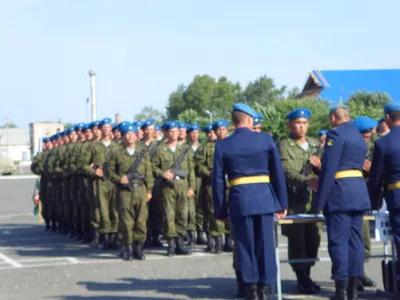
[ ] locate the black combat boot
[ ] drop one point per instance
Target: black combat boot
(304, 284)
(113, 240)
(106, 241)
(218, 244)
(352, 289)
(127, 252)
(156, 240)
(201, 238)
(48, 227)
(251, 292)
(340, 290)
(264, 292)
(210, 243)
(79, 232)
(139, 254)
(240, 293)
(53, 225)
(367, 282)
(180, 247)
(316, 286)
(72, 231)
(228, 247)
(192, 238)
(96, 238)
(171, 247)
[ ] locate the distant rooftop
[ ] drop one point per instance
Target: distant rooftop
(333, 84)
(14, 136)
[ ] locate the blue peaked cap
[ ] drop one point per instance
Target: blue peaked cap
(148, 123)
(391, 107)
(193, 127)
(299, 113)
(364, 124)
(244, 108)
(128, 127)
(220, 123)
(322, 132)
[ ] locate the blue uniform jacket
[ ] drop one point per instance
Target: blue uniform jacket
(385, 169)
(248, 153)
(345, 149)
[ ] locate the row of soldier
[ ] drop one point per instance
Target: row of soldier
(86, 189)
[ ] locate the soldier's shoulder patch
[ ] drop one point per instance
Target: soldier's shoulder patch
(329, 142)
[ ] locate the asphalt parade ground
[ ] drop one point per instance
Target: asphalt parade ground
(39, 265)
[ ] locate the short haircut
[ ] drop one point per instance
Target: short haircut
(394, 116)
(342, 114)
(238, 117)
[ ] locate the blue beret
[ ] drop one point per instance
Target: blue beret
(138, 124)
(70, 130)
(115, 127)
(257, 119)
(123, 123)
(381, 120)
(79, 126)
(244, 108)
(208, 128)
(193, 127)
(220, 123)
(336, 106)
(364, 124)
(45, 140)
(147, 123)
(182, 125)
(105, 122)
(52, 138)
(157, 127)
(171, 125)
(299, 113)
(85, 127)
(391, 107)
(62, 133)
(94, 124)
(128, 127)
(57, 135)
(322, 132)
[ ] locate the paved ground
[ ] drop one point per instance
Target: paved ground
(38, 265)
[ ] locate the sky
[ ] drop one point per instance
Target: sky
(142, 50)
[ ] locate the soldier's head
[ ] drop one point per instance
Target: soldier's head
(72, 135)
(220, 127)
(193, 132)
(158, 133)
(129, 134)
(138, 125)
(49, 144)
(365, 126)
(322, 136)
(64, 137)
(94, 128)
(243, 116)
(105, 126)
(392, 114)
(116, 133)
(257, 123)
(182, 128)
(338, 115)
(210, 132)
(382, 128)
(148, 128)
(298, 122)
(172, 131)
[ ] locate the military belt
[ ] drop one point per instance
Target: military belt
(249, 180)
(348, 174)
(394, 186)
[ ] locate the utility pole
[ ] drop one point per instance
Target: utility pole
(92, 75)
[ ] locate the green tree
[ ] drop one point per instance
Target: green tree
(367, 104)
(190, 116)
(9, 125)
(149, 112)
(176, 102)
(263, 91)
(68, 125)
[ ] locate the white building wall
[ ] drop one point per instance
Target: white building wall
(16, 152)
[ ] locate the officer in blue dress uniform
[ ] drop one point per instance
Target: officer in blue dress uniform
(343, 197)
(385, 175)
(257, 184)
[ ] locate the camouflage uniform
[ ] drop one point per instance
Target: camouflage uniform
(175, 202)
(132, 204)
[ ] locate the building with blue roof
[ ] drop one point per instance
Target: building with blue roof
(338, 85)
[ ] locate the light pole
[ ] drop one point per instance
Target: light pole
(209, 113)
(92, 75)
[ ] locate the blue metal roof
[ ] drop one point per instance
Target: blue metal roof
(336, 83)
